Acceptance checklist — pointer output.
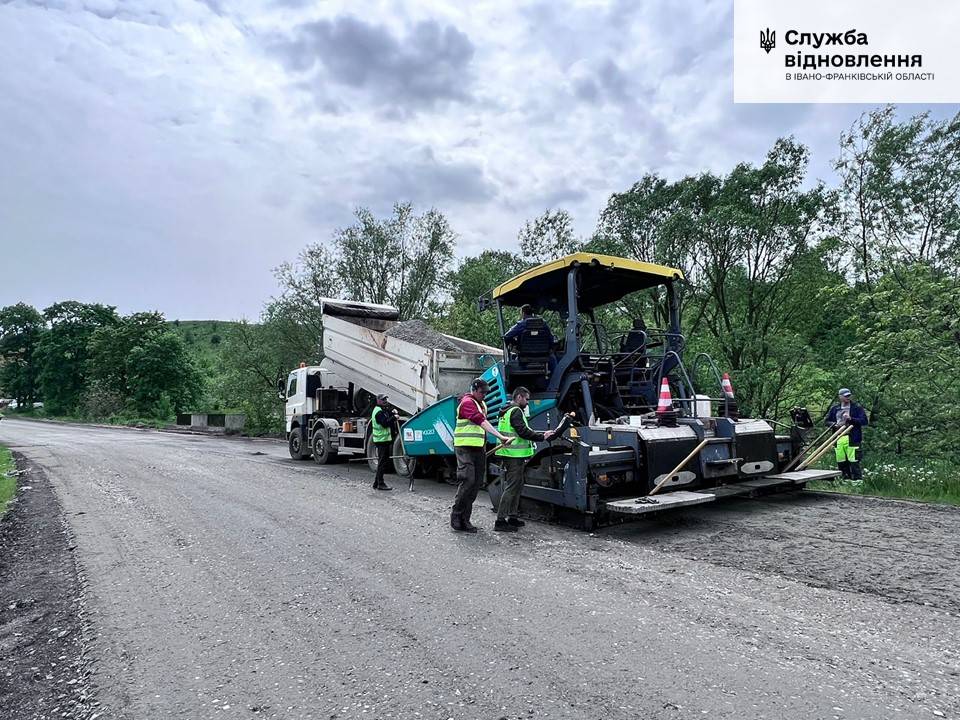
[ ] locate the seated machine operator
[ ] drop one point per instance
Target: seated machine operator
(511, 336)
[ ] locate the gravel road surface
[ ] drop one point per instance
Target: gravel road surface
(224, 580)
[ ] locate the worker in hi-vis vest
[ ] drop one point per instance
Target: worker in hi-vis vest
(513, 423)
(849, 448)
(469, 444)
(383, 426)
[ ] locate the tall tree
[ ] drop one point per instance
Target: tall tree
(548, 236)
(401, 260)
(900, 184)
(749, 244)
(109, 348)
(474, 277)
(900, 197)
(21, 327)
(161, 375)
(62, 352)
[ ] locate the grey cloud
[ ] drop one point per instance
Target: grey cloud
(423, 179)
(430, 64)
(604, 83)
(103, 9)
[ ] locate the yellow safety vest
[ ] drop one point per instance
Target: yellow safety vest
(380, 433)
(467, 433)
(520, 447)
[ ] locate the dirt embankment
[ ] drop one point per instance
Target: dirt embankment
(43, 667)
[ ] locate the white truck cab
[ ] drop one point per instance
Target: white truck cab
(301, 388)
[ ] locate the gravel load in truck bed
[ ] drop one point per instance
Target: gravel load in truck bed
(419, 333)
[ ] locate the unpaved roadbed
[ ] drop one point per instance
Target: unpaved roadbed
(226, 580)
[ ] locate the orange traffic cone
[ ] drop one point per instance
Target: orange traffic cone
(666, 415)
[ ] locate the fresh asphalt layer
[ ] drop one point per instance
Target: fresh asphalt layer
(223, 579)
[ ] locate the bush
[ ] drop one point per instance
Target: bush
(101, 401)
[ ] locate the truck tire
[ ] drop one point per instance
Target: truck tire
(371, 452)
(320, 448)
(405, 465)
(295, 445)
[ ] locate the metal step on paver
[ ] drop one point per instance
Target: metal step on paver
(798, 477)
(676, 498)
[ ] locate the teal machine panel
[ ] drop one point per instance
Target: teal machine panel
(430, 431)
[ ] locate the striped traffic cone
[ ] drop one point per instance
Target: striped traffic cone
(729, 408)
(666, 415)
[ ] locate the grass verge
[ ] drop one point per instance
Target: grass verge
(928, 481)
(8, 481)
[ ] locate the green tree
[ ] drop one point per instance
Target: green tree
(900, 202)
(161, 373)
(548, 236)
(21, 328)
(256, 356)
(473, 278)
(401, 260)
(62, 356)
(751, 247)
(304, 285)
(109, 348)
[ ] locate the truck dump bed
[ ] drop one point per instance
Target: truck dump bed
(360, 347)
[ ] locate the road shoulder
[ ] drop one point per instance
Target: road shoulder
(43, 665)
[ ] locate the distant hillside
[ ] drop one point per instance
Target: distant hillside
(204, 338)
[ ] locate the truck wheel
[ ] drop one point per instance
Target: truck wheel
(405, 465)
(320, 447)
(371, 450)
(295, 445)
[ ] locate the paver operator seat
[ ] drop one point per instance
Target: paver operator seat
(532, 352)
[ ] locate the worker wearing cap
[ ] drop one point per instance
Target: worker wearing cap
(513, 423)
(383, 424)
(849, 455)
(469, 444)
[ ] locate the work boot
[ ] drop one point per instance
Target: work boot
(856, 472)
(382, 486)
(504, 526)
(516, 522)
(456, 521)
(468, 526)
(844, 468)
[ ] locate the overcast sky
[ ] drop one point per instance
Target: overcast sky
(168, 154)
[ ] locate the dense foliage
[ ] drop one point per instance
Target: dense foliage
(85, 360)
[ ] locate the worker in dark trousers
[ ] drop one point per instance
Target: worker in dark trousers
(513, 423)
(384, 425)
(469, 444)
(849, 448)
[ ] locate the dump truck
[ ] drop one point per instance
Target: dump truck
(617, 456)
(368, 352)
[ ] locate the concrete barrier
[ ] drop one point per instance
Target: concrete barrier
(229, 423)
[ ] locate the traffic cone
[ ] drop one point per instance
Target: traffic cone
(666, 415)
(729, 408)
(727, 385)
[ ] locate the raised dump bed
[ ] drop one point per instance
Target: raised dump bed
(366, 345)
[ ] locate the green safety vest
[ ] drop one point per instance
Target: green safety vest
(466, 433)
(519, 448)
(380, 433)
